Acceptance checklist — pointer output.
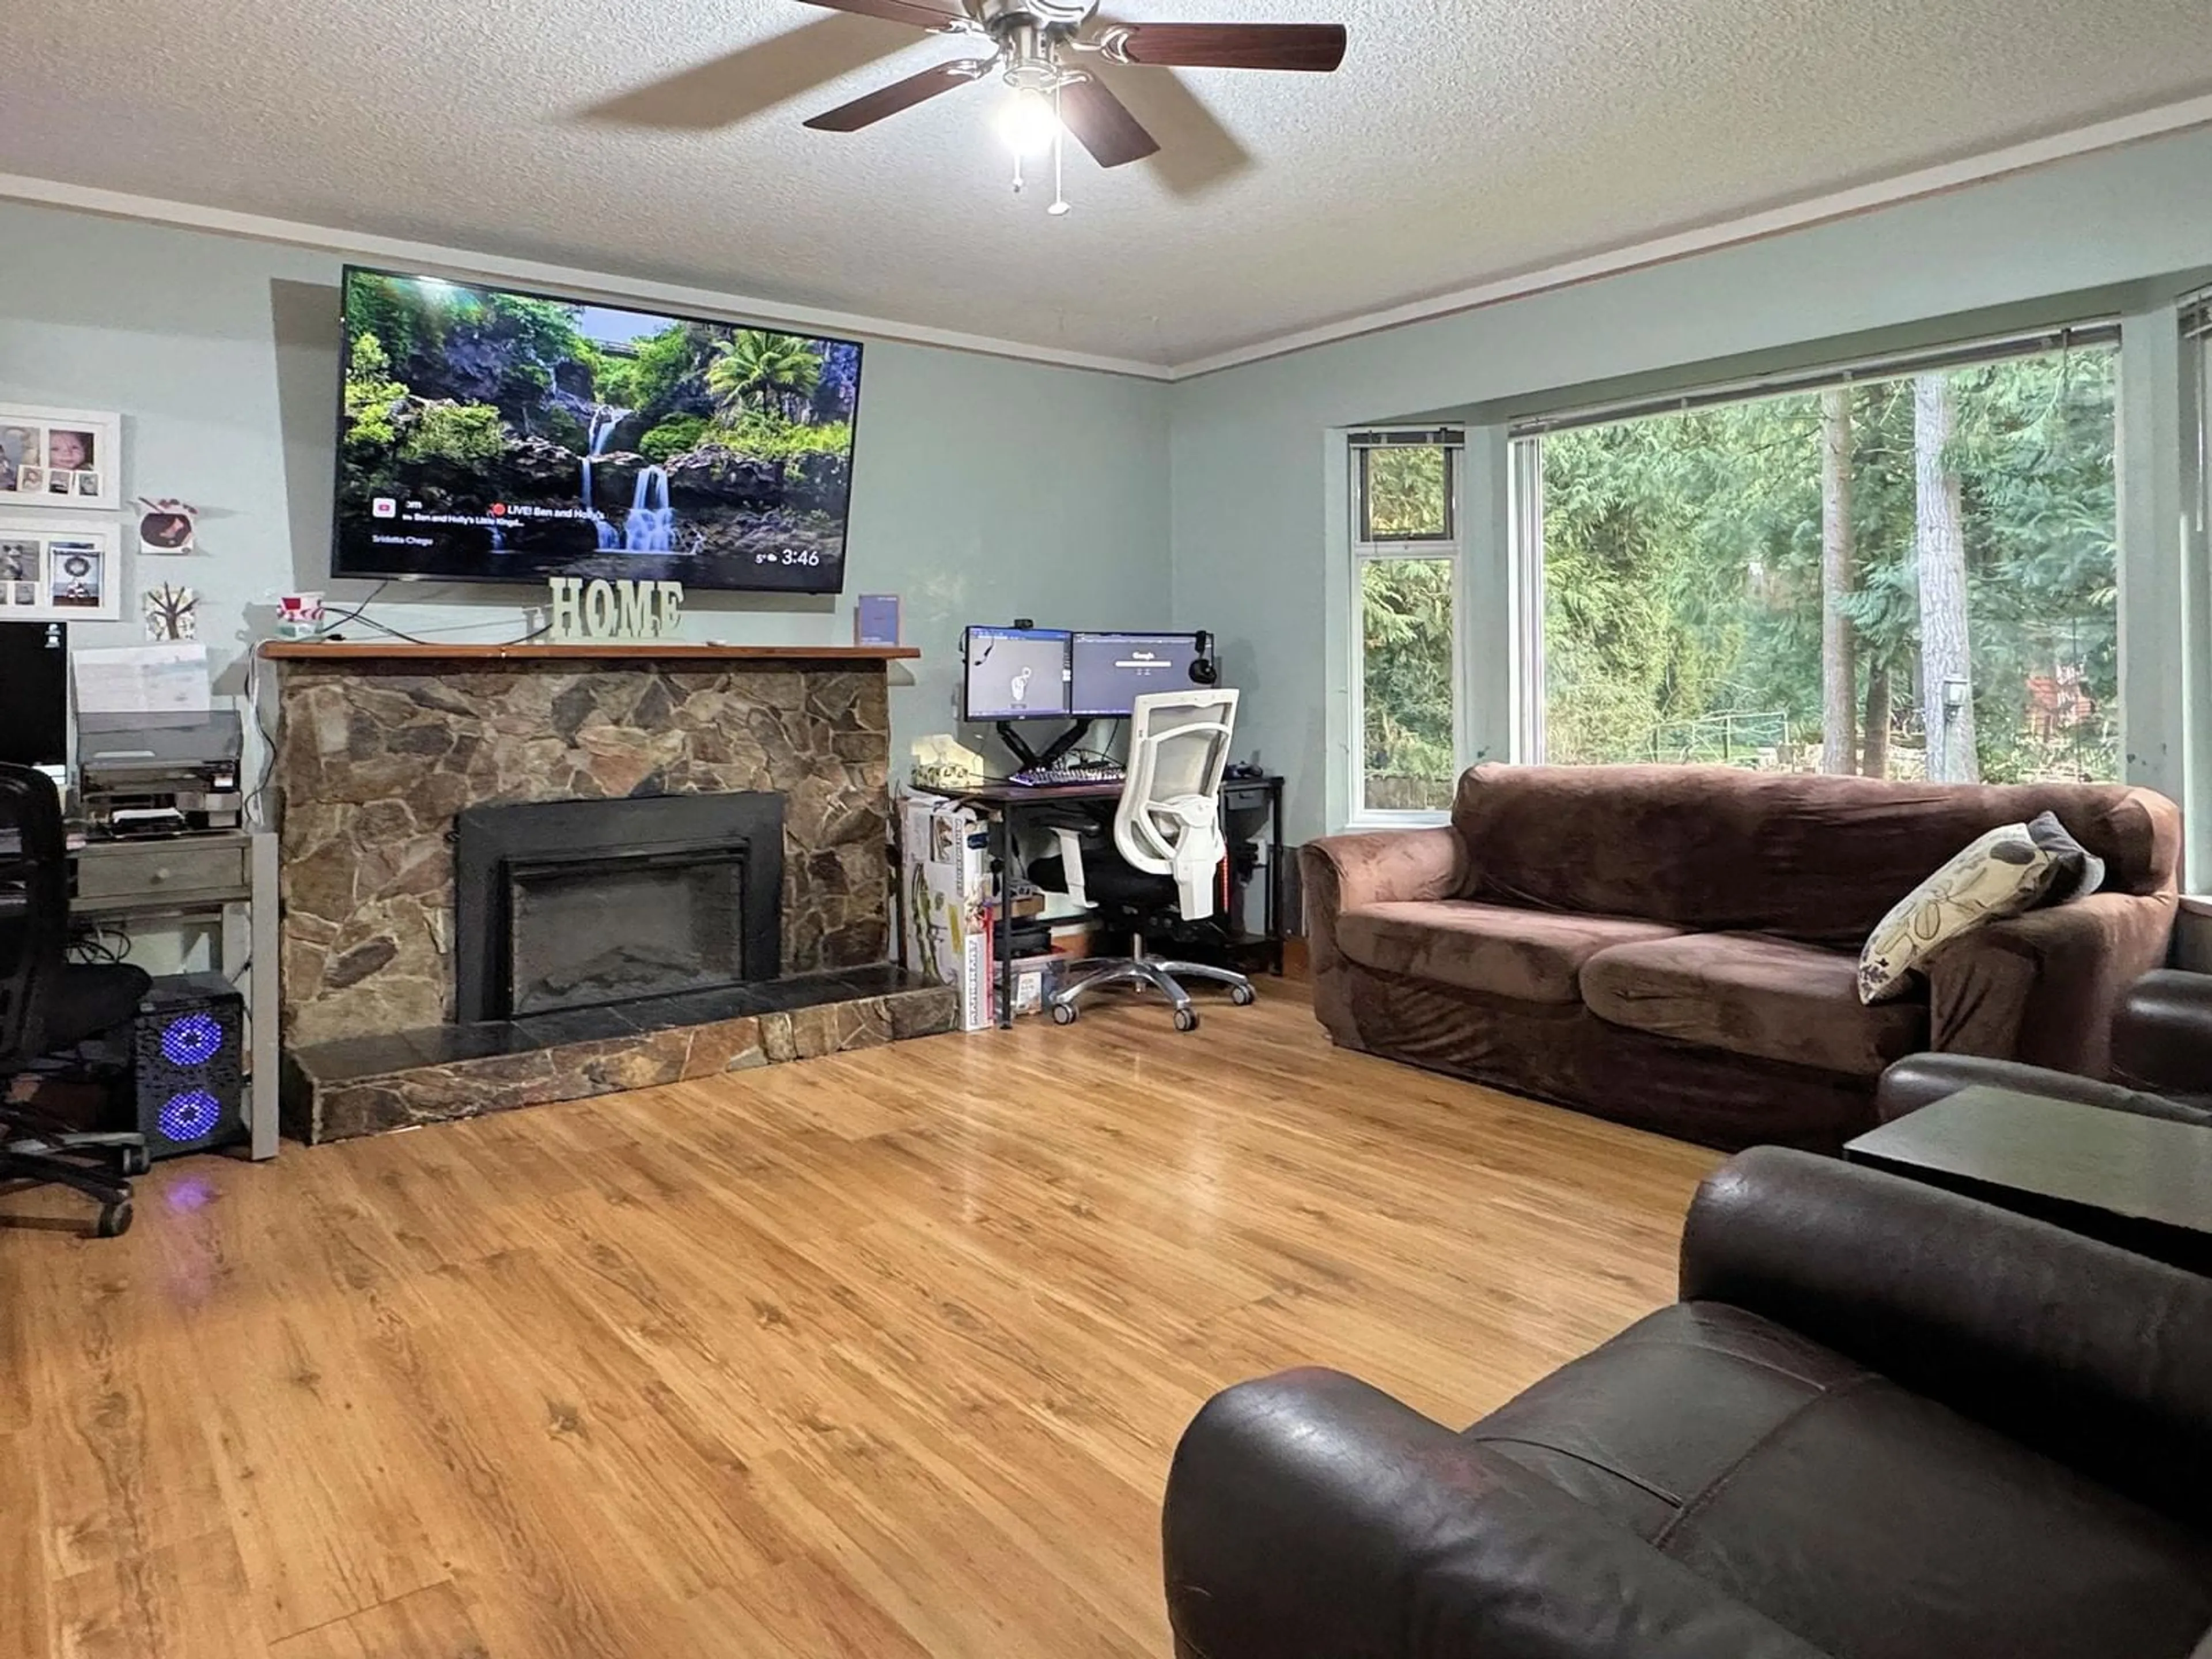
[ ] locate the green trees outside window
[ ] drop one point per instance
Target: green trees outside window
(1408, 567)
(1913, 578)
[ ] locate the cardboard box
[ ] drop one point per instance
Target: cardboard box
(944, 902)
(1036, 978)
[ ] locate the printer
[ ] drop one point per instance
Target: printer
(170, 774)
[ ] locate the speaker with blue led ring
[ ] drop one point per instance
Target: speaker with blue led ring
(188, 1060)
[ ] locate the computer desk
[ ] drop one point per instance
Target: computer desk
(1005, 804)
(225, 873)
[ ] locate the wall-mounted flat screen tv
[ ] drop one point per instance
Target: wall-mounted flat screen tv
(491, 435)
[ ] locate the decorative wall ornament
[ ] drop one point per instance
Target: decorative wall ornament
(172, 613)
(65, 458)
(168, 525)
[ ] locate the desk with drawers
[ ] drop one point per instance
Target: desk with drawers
(229, 873)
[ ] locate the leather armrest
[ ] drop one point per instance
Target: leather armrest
(2093, 1355)
(1341, 873)
(1311, 1516)
(1920, 1080)
(2162, 1033)
(2042, 987)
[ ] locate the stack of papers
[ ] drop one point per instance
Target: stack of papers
(143, 679)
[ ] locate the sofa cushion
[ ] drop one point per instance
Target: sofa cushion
(1868, 1519)
(1531, 956)
(1753, 994)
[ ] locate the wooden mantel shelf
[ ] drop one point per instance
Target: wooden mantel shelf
(599, 650)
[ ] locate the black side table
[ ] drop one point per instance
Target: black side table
(2139, 1182)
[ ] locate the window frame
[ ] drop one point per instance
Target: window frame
(1365, 550)
(2194, 315)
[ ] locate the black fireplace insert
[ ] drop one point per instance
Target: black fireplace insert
(582, 903)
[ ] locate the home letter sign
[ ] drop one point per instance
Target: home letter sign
(615, 610)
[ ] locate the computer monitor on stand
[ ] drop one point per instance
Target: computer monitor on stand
(34, 693)
(1108, 672)
(1019, 674)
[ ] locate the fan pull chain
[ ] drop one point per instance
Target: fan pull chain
(1060, 203)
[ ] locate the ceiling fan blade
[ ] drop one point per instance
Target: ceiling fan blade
(1315, 46)
(871, 107)
(921, 14)
(1197, 153)
(1102, 124)
(726, 90)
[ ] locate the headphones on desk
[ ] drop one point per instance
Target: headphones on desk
(1203, 669)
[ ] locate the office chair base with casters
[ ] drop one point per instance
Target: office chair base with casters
(36, 1149)
(1164, 976)
(112, 1192)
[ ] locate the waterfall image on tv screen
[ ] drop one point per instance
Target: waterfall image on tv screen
(488, 435)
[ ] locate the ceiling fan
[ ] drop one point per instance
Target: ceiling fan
(1033, 45)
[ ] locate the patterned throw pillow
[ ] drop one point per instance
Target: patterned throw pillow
(2002, 874)
(2078, 873)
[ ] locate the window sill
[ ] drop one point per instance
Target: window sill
(1365, 822)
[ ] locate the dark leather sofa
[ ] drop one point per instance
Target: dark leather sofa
(1677, 946)
(2161, 1060)
(1883, 1422)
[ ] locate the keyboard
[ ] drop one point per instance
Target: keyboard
(1052, 777)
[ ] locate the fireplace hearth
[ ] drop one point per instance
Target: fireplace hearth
(383, 749)
(561, 905)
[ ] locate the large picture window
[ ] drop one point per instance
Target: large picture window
(1405, 567)
(1910, 573)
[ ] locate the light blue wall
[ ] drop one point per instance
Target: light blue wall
(982, 488)
(986, 489)
(1256, 471)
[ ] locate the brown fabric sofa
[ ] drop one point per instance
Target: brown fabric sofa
(1677, 947)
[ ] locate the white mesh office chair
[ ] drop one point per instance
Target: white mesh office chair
(1167, 835)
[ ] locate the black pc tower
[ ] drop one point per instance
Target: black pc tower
(188, 1064)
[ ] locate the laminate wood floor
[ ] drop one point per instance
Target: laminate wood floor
(882, 1355)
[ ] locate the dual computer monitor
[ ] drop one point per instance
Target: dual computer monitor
(1056, 674)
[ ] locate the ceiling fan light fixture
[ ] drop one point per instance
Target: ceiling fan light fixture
(1048, 101)
(1026, 122)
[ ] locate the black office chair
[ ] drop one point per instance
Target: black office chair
(49, 1004)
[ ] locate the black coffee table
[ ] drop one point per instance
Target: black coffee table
(2139, 1182)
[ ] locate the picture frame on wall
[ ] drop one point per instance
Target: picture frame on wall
(66, 457)
(59, 570)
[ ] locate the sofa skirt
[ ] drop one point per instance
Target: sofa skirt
(1565, 1055)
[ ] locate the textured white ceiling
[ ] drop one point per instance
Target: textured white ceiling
(1463, 140)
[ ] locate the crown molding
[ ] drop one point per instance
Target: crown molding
(607, 287)
(2161, 122)
(2164, 121)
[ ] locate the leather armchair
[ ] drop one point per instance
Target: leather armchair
(2161, 1060)
(1885, 1421)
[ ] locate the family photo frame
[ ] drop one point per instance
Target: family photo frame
(70, 458)
(59, 570)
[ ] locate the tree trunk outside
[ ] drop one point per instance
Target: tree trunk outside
(1943, 569)
(1874, 759)
(1838, 670)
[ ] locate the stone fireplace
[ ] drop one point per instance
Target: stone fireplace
(520, 874)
